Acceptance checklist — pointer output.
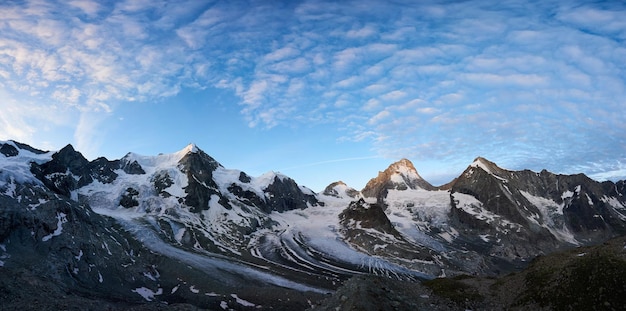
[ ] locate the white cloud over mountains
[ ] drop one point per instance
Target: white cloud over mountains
(530, 85)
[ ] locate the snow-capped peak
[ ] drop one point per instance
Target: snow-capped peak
(400, 175)
(405, 168)
(489, 167)
(340, 189)
(483, 164)
(268, 178)
(161, 161)
(191, 148)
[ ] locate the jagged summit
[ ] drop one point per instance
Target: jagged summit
(485, 164)
(482, 164)
(192, 148)
(340, 189)
(400, 175)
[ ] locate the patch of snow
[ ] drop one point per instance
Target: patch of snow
(147, 293)
(175, 288)
(547, 206)
(61, 219)
(581, 254)
(397, 178)
(614, 202)
(191, 148)
(224, 305)
(35, 205)
(149, 275)
(551, 217)
(242, 302)
(80, 255)
(100, 279)
(567, 194)
(106, 246)
(193, 289)
(179, 235)
(16, 170)
(380, 246)
(474, 207)
(415, 212)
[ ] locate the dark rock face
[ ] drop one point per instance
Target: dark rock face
(369, 216)
(132, 168)
(246, 196)
(8, 150)
(129, 198)
(162, 181)
(284, 194)
(244, 178)
(65, 172)
(69, 170)
(199, 168)
(507, 193)
(573, 205)
(85, 252)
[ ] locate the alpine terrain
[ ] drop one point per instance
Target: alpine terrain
(180, 231)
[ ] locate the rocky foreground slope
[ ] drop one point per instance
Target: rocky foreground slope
(584, 278)
(181, 231)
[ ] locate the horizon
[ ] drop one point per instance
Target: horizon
(373, 174)
(319, 90)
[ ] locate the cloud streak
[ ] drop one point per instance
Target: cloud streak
(420, 80)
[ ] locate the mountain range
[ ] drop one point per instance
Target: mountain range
(181, 231)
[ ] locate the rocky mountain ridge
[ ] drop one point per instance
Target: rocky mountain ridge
(127, 226)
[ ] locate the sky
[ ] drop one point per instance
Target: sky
(322, 91)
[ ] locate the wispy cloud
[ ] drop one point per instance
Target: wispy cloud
(417, 80)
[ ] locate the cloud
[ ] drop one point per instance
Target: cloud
(90, 8)
(412, 79)
(379, 117)
(366, 31)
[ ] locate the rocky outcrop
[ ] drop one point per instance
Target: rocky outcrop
(74, 248)
(8, 150)
(69, 170)
(284, 194)
(199, 168)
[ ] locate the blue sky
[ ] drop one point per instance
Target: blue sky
(322, 90)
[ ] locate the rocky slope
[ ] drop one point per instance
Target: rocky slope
(181, 228)
(585, 278)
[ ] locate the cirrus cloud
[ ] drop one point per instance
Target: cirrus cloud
(483, 77)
